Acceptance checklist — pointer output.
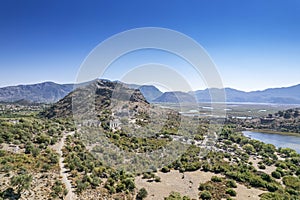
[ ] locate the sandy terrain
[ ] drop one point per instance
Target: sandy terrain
(268, 170)
(188, 185)
(174, 181)
(244, 193)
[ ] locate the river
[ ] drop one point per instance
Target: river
(277, 140)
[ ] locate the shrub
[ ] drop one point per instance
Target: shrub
(276, 174)
(231, 192)
(249, 148)
(120, 187)
(95, 181)
(81, 186)
(173, 196)
(257, 182)
(205, 195)
(272, 187)
(206, 167)
(45, 167)
(231, 183)
(57, 189)
(266, 177)
(157, 179)
(22, 182)
(147, 175)
(298, 171)
(129, 183)
(142, 194)
(216, 179)
(165, 169)
(292, 191)
(205, 186)
(261, 166)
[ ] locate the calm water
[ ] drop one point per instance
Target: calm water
(278, 140)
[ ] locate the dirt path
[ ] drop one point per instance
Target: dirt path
(63, 171)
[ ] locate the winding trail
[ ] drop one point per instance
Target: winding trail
(63, 171)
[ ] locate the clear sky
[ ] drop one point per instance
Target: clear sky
(255, 44)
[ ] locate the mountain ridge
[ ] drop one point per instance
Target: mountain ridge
(45, 92)
(51, 92)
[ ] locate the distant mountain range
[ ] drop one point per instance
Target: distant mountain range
(49, 92)
(285, 95)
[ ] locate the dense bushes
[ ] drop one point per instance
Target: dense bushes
(291, 182)
(35, 134)
(188, 161)
(88, 170)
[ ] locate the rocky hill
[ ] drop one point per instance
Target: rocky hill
(96, 96)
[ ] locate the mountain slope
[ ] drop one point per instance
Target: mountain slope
(150, 92)
(175, 97)
(277, 95)
(47, 92)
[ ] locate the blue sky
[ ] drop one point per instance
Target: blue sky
(254, 44)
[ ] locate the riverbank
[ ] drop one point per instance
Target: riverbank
(273, 132)
(278, 140)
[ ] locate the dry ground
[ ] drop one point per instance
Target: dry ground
(187, 184)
